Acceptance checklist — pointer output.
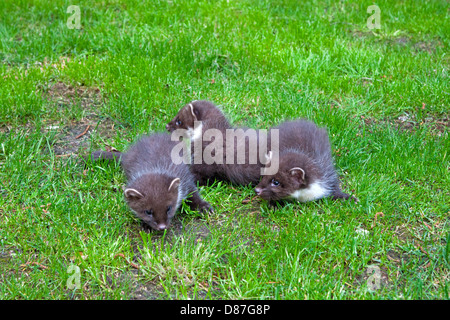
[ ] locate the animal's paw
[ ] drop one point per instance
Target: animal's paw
(205, 207)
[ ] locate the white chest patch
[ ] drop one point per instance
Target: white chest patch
(195, 133)
(313, 192)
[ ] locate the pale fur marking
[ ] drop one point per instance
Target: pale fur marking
(191, 106)
(298, 169)
(313, 192)
(195, 133)
(174, 181)
(129, 191)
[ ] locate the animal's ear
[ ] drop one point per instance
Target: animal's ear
(131, 193)
(298, 173)
(194, 111)
(174, 184)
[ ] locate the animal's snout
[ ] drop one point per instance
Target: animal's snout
(161, 226)
(258, 191)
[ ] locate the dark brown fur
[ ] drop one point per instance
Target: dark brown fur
(156, 186)
(212, 117)
(304, 159)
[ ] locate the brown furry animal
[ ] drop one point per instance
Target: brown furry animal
(156, 186)
(306, 170)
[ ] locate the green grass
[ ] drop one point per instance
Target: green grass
(383, 95)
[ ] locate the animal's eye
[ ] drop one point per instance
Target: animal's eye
(178, 122)
(169, 208)
(275, 182)
(149, 212)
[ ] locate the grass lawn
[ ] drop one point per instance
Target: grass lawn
(383, 94)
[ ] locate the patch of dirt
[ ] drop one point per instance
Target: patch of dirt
(438, 125)
(9, 261)
(195, 228)
(429, 46)
(194, 231)
(139, 289)
(66, 95)
(408, 122)
(73, 139)
(397, 258)
(146, 291)
(375, 277)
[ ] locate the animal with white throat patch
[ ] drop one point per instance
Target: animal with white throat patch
(306, 170)
(155, 185)
(200, 117)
